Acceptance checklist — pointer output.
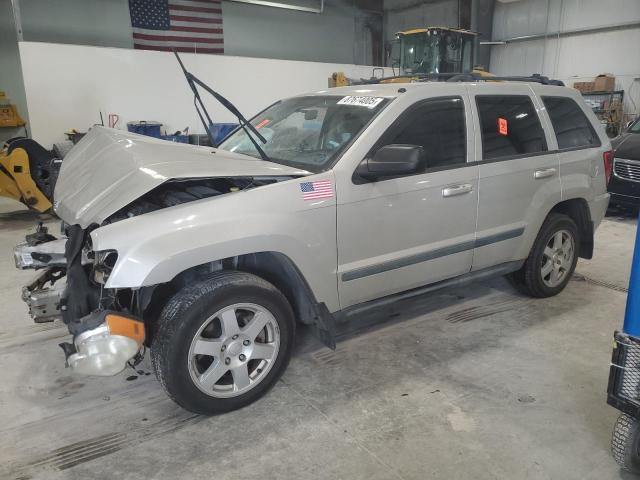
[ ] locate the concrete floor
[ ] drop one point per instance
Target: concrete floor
(475, 383)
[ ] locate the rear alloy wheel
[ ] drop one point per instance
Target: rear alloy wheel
(557, 258)
(552, 259)
(222, 343)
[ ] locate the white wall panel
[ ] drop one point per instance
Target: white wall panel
(68, 85)
(529, 17)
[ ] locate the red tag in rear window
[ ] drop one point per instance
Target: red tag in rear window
(502, 126)
(263, 123)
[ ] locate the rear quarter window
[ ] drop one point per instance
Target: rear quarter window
(510, 126)
(571, 126)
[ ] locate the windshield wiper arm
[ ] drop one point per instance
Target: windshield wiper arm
(192, 80)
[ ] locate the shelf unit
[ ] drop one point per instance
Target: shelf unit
(608, 107)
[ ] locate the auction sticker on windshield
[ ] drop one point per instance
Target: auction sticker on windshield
(369, 102)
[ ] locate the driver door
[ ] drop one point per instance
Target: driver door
(399, 233)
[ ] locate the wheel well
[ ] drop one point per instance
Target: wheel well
(274, 267)
(578, 210)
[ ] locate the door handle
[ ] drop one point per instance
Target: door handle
(453, 190)
(549, 172)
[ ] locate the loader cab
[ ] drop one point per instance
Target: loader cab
(435, 50)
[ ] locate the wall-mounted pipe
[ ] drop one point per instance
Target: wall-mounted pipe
(286, 6)
(574, 32)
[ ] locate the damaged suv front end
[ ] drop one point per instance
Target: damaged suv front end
(110, 179)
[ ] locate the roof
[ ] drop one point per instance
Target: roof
(390, 90)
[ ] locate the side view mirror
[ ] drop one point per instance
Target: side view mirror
(393, 160)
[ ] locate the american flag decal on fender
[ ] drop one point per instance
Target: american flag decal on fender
(316, 190)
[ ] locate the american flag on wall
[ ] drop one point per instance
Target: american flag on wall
(184, 25)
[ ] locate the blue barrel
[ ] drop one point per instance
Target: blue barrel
(632, 313)
(219, 131)
(143, 127)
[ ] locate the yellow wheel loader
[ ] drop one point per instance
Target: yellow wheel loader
(28, 172)
(426, 53)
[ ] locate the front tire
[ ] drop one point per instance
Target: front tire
(552, 259)
(223, 343)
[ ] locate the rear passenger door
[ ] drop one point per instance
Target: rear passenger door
(579, 151)
(518, 175)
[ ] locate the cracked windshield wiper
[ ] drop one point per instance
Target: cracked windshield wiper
(192, 80)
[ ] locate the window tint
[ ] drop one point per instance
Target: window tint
(571, 125)
(510, 126)
(438, 126)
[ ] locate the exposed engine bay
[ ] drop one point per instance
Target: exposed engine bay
(177, 192)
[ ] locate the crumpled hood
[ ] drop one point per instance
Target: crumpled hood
(108, 169)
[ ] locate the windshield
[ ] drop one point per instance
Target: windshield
(436, 52)
(419, 53)
(307, 132)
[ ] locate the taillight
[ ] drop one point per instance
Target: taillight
(607, 157)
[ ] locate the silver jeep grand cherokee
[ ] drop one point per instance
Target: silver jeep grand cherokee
(358, 195)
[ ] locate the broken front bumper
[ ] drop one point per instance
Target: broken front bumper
(104, 340)
(43, 295)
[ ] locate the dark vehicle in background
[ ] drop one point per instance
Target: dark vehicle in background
(624, 186)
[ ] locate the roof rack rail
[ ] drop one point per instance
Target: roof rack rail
(536, 78)
(461, 77)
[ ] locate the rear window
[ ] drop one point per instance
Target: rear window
(510, 126)
(571, 125)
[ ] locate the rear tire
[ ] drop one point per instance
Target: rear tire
(222, 343)
(552, 259)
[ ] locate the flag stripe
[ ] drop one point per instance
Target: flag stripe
(176, 23)
(196, 2)
(161, 48)
(170, 38)
(182, 18)
(169, 33)
(186, 8)
(198, 46)
(195, 29)
(203, 15)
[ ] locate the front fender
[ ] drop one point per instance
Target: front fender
(155, 247)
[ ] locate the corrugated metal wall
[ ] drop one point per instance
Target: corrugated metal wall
(576, 56)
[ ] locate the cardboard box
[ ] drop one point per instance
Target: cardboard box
(584, 87)
(605, 82)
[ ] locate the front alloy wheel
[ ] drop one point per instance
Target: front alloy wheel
(222, 343)
(234, 350)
